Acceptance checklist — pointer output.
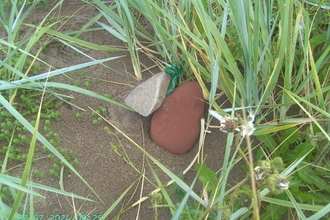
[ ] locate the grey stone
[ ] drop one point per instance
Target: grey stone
(149, 95)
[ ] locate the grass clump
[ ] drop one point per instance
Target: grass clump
(266, 58)
(98, 113)
(58, 165)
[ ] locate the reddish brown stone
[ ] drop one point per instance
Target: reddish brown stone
(175, 126)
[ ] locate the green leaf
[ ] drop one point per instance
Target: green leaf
(289, 204)
(207, 176)
(320, 213)
(268, 141)
(82, 42)
(296, 205)
(299, 151)
(273, 211)
(271, 129)
(308, 174)
(289, 136)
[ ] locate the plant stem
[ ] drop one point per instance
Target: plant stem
(255, 196)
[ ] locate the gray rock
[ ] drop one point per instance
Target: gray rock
(149, 95)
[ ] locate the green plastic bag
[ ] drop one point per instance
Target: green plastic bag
(176, 71)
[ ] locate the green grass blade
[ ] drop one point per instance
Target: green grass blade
(129, 27)
(315, 208)
(296, 98)
(302, 99)
(4, 179)
(224, 172)
(28, 164)
(316, 78)
(5, 215)
(16, 48)
(78, 90)
(296, 205)
(125, 31)
(290, 53)
(111, 30)
(284, 21)
(82, 42)
(114, 20)
(214, 80)
(321, 213)
(238, 213)
(292, 166)
(43, 187)
(59, 71)
(113, 206)
(178, 212)
(163, 190)
(88, 24)
(262, 130)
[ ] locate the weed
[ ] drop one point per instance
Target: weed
(54, 173)
(78, 84)
(101, 111)
(108, 96)
(78, 115)
(5, 194)
(37, 172)
(89, 83)
(57, 165)
(98, 121)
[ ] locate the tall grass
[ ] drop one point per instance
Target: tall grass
(266, 57)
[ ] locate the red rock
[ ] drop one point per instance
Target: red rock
(175, 126)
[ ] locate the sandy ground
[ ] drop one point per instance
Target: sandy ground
(107, 172)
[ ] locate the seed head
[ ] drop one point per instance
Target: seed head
(228, 124)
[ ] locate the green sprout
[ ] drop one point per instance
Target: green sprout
(89, 83)
(37, 172)
(56, 167)
(78, 115)
(98, 121)
(108, 96)
(54, 173)
(75, 162)
(104, 111)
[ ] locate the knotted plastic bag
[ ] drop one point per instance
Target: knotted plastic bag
(176, 71)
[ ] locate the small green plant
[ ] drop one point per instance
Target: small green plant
(11, 129)
(103, 111)
(69, 155)
(108, 96)
(54, 173)
(98, 121)
(310, 177)
(100, 111)
(37, 172)
(78, 115)
(89, 83)
(5, 194)
(78, 84)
